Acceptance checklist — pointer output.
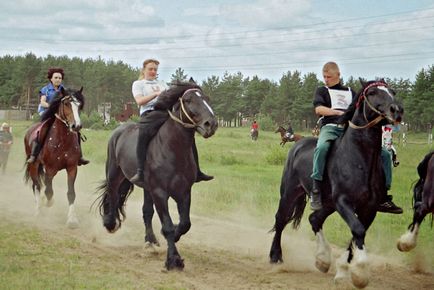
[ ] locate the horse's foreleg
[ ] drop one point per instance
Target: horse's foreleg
(174, 260)
(72, 221)
(408, 241)
(359, 264)
(184, 216)
(323, 251)
(358, 267)
(148, 213)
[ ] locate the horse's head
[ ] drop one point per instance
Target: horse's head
(195, 112)
(66, 107)
(280, 129)
(377, 103)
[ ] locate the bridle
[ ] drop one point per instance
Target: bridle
(61, 116)
(180, 120)
(364, 100)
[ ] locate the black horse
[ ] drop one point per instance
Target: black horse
(423, 202)
(170, 169)
(352, 186)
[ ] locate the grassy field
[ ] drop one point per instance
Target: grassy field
(247, 180)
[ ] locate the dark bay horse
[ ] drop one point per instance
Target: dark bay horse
(423, 202)
(353, 183)
(285, 139)
(60, 150)
(170, 169)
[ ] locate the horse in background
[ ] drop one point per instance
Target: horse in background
(353, 183)
(423, 202)
(284, 138)
(315, 131)
(170, 169)
(254, 133)
(60, 150)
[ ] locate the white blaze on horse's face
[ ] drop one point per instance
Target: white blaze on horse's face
(75, 105)
(383, 88)
(206, 104)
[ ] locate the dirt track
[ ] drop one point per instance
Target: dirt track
(218, 254)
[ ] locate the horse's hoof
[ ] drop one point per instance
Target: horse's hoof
(360, 281)
(72, 224)
(151, 240)
(322, 266)
(276, 258)
(175, 263)
(49, 202)
(110, 223)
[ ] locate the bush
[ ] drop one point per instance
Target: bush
(266, 123)
(276, 156)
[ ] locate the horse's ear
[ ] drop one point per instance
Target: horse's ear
(191, 80)
(363, 82)
(382, 80)
(62, 91)
(81, 90)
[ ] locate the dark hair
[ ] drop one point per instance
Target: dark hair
(54, 70)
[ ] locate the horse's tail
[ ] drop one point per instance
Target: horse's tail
(39, 178)
(111, 208)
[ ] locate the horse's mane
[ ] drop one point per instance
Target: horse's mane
(170, 97)
(57, 99)
(423, 165)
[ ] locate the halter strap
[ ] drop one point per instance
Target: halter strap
(362, 98)
(179, 120)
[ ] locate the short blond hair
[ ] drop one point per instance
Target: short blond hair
(331, 67)
(145, 63)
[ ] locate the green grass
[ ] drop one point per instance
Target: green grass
(247, 180)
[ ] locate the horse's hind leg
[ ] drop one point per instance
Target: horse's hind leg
(72, 221)
(36, 186)
(184, 216)
(49, 190)
(148, 213)
(174, 260)
(282, 217)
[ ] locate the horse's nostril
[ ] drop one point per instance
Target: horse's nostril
(207, 124)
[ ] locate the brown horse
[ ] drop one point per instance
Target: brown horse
(284, 138)
(60, 150)
(423, 202)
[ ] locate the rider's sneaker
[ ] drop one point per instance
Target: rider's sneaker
(389, 207)
(31, 159)
(315, 200)
(203, 177)
(83, 161)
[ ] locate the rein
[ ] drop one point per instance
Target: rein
(365, 100)
(179, 120)
(61, 117)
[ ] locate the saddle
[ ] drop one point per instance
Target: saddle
(38, 129)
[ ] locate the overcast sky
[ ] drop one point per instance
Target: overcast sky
(390, 38)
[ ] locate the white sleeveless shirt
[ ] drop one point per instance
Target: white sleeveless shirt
(146, 88)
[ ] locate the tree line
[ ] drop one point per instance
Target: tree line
(234, 97)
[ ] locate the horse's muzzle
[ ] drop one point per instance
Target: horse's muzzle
(75, 127)
(396, 113)
(207, 128)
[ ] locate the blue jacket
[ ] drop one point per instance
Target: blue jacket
(49, 91)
